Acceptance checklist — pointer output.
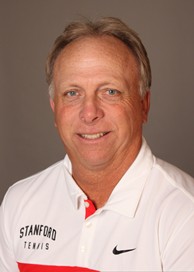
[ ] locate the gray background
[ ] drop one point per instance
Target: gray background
(28, 140)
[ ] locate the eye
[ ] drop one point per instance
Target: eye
(112, 92)
(71, 93)
(111, 95)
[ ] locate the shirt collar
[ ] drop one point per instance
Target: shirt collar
(75, 192)
(127, 193)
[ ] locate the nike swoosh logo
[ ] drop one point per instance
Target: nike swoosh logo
(117, 252)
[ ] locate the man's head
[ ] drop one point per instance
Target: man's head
(100, 95)
(106, 26)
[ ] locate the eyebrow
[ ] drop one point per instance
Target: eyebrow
(115, 81)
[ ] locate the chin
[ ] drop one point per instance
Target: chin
(94, 161)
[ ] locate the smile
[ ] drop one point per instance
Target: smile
(93, 136)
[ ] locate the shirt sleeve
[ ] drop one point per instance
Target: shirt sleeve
(179, 254)
(7, 258)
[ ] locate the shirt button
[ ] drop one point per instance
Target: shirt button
(83, 249)
(86, 204)
(88, 224)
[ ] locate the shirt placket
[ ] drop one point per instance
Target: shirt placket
(87, 234)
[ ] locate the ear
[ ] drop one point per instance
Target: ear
(52, 104)
(145, 106)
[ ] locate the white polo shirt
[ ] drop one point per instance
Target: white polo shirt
(147, 223)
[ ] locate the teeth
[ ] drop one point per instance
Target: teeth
(93, 136)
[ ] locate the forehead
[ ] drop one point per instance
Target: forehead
(95, 53)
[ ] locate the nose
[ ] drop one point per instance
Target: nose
(91, 111)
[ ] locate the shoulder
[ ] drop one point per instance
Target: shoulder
(32, 184)
(175, 176)
(173, 179)
(172, 192)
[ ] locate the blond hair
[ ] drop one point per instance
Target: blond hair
(106, 26)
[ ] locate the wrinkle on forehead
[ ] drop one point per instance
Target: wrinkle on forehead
(101, 54)
(87, 49)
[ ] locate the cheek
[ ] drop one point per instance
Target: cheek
(129, 115)
(125, 111)
(63, 117)
(68, 123)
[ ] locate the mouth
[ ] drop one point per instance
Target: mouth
(93, 136)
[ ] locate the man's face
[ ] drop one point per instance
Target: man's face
(98, 110)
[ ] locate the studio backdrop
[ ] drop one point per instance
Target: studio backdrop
(28, 139)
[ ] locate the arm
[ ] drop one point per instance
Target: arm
(179, 253)
(7, 258)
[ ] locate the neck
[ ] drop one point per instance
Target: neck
(97, 185)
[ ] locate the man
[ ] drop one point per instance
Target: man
(110, 205)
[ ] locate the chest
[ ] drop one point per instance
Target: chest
(105, 241)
